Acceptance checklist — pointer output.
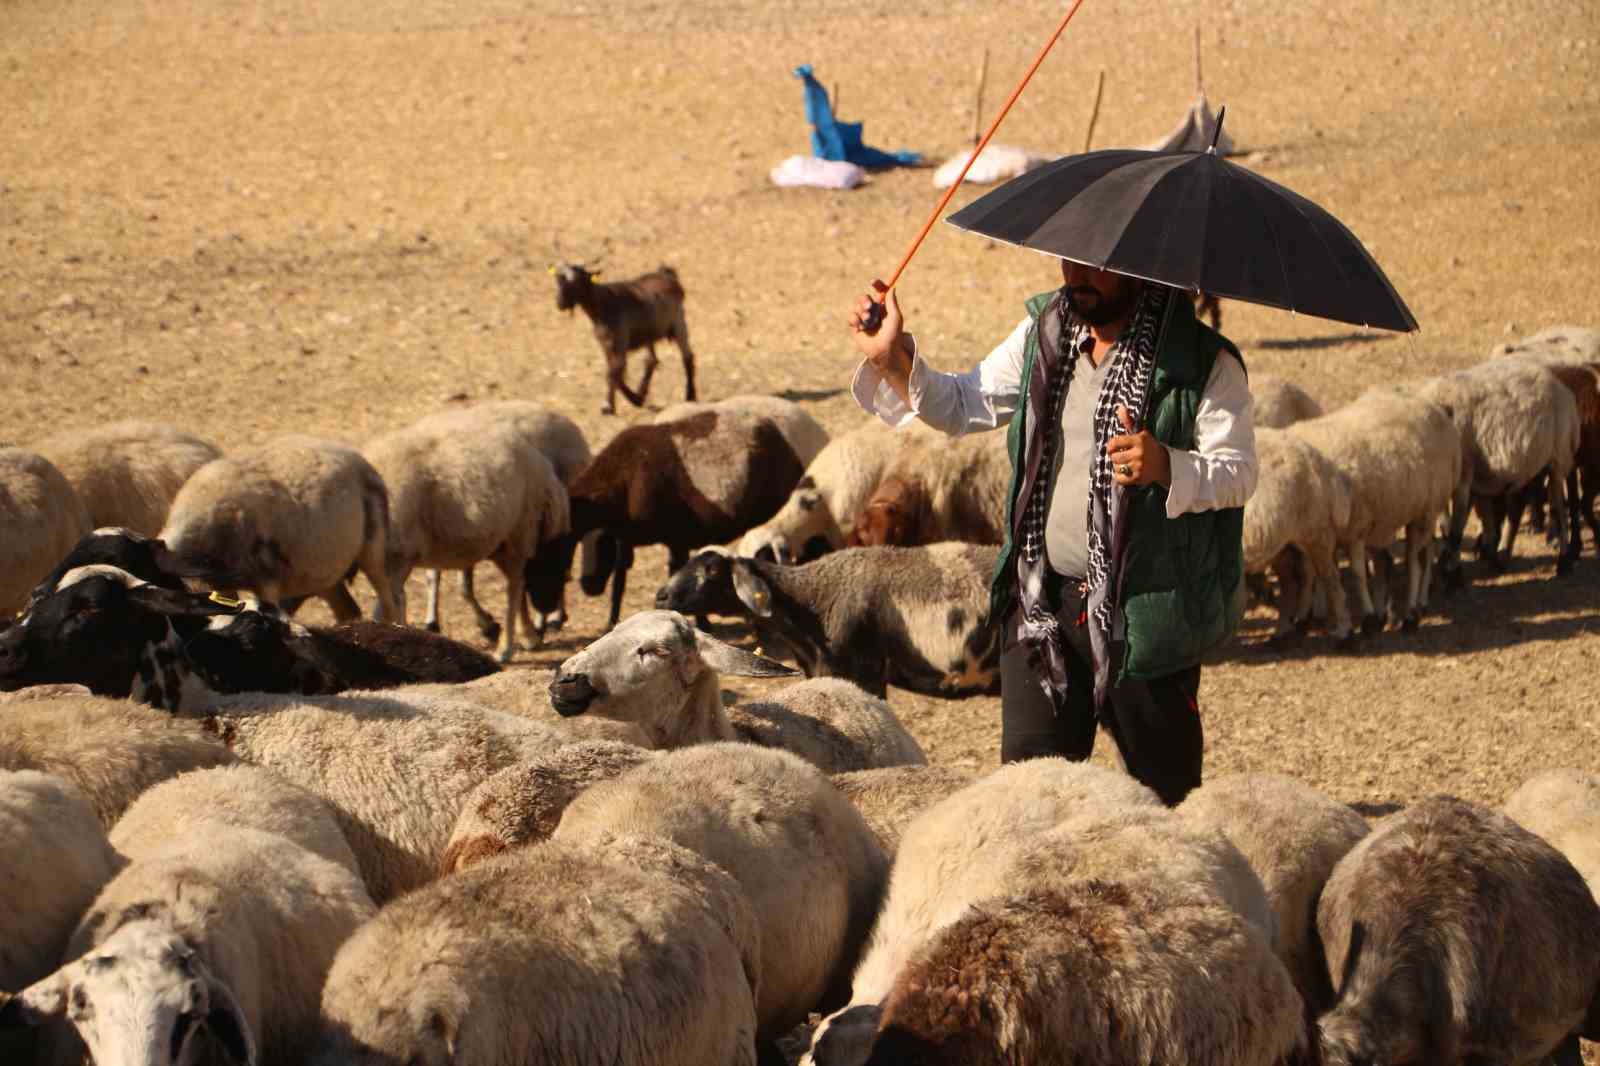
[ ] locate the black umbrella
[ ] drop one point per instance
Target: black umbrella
(1195, 221)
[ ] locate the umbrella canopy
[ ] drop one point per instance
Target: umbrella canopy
(1195, 221)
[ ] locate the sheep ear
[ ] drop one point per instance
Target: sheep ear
(35, 1005)
(736, 662)
(752, 589)
(227, 1023)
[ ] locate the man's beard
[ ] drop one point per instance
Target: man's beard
(1102, 310)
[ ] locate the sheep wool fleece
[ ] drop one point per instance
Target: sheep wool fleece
(1181, 588)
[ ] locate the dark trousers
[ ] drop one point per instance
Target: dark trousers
(1155, 724)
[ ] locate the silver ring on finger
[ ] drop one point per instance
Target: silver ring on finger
(1125, 470)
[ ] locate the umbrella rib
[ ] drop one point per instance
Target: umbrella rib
(1277, 249)
(1344, 275)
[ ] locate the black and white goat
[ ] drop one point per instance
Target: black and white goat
(628, 315)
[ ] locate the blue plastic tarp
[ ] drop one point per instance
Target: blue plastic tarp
(841, 141)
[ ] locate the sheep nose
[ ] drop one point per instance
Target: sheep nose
(11, 652)
(571, 694)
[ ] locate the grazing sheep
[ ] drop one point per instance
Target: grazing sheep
(127, 473)
(1403, 457)
(1555, 344)
(829, 722)
(803, 432)
(1278, 403)
(1583, 381)
(629, 953)
(700, 480)
(938, 489)
(53, 860)
(523, 803)
(213, 946)
(629, 315)
(395, 771)
(1114, 937)
(41, 518)
(834, 489)
(660, 673)
(808, 864)
(462, 492)
(564, 444)
(112, 750)
(1303, 502)
(294, 517)
(918, 617)
(1293, 836)
(526, 694)
(1453, 935)
(246, 797)
(890, 797)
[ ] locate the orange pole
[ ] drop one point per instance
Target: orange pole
(875, 315)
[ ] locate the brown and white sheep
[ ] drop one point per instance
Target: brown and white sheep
(803, 432)
(939, 489)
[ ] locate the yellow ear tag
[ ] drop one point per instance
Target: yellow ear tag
(552, 271)
(594, 275)
(219, 598)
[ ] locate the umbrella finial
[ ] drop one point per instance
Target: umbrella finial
(1217, 132)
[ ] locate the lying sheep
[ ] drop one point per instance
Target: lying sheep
(829, 722)
(459, 493)
(1454, 935)
(1403, 457)
(808, 864)
(212, 947)
(938, 489)
(1277, 403)
(1563, 808)
(122, 549)
(916, 616)
(128, 473)
(815, 519)
(1114, 937)
(700, 480)
(1553, 345)
(112, 750)
(1302, 502)
(526, 694)
(41, 518)
(890, 797)
(245, 797)
(523, 803)
(54, 858)
(294, 517)
(1293, 836)
(395, 771)
(628, 953)
(803, 432)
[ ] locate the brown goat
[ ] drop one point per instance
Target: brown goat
(895, 514)
(629, 315)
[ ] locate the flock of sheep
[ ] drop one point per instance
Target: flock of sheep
(368, 844)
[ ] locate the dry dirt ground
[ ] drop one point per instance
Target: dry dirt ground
(335, 217)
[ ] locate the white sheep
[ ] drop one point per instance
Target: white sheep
(54, 858)
(628, 953)
(1563, 807)
(1452, 934)
(523, 803)
(41, 518)
(1114, 937)
(463, 492)
(1293, 835)
(831, 723)
(1555, 344)
(1403, 457)
(811, 868)
(289, 519)
(127, 473)
(1302, 501)
(526, 694)
(248, 797)
(395, 771)
(1277, 403)
(803, 432)
(213, 946)
(112, 750)
(891, 797)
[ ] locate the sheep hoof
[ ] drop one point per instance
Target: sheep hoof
(1371, 625)
(608, 408)
(1348, 643)
(504, 655)
(1411, 624)
(1499, 562)
(431, 627)
(1287, 640)
(1564, 565)
(490, 630)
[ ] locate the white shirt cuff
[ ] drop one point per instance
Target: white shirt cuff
(1185, 478)
(877, 397)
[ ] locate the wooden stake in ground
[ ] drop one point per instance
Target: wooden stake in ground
(977, 106)
(1094, 112)
(1199, 82)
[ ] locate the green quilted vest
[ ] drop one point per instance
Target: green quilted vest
(1182, 578)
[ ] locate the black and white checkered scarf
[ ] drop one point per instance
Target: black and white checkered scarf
(1128, 385)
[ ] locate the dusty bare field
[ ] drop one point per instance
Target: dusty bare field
(335, 217)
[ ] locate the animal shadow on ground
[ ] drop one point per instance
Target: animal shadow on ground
(809, 395)
(1302, 344)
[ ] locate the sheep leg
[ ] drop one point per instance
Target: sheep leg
(1290, 588)
(430, 620)
(680, 337)
(616, 381)
(1567, 547)
(1371, 620)
(487, 626)
(530, 624)
(1491, 512)
(341, 603)
(650, 364)
(1591, 486)
(1321, 562)
(373, 563)
(619, 579)
(397, 588)
(510, 564)
(1416, 550)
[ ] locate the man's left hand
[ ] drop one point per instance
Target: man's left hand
(1137, 458)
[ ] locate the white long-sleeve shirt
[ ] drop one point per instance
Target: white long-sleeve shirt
(1219, 472)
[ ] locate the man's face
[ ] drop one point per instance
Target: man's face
(1098, 296)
